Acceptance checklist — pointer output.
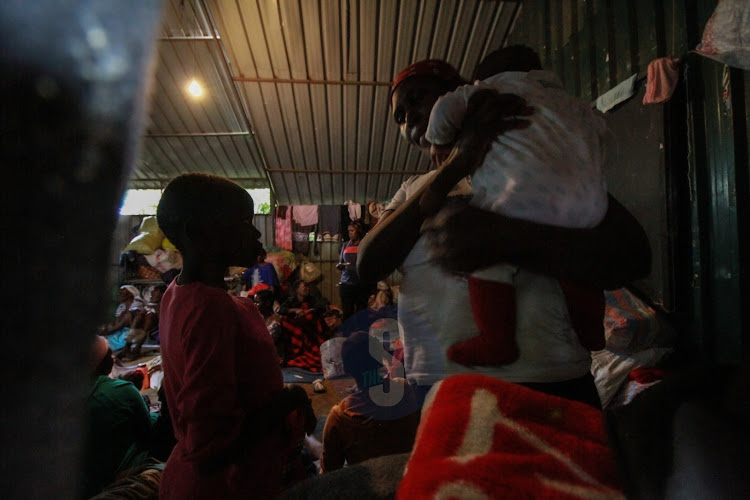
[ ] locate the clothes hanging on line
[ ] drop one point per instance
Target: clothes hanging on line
(663, 75)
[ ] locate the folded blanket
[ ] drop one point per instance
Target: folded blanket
(481, 437)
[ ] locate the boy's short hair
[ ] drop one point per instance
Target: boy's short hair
(510, 58)
(356, 357)
(192, 196)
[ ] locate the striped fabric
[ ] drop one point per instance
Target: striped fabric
(305, 336)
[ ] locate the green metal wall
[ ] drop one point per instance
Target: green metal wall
(594, 45)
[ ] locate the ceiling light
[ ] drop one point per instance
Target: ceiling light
(195, 88)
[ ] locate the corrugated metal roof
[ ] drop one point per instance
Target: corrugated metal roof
(296, 91)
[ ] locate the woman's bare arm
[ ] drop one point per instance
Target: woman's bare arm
(386, 246)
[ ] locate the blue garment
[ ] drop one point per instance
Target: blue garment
(348, 255)
(117, 340)
(261, 273)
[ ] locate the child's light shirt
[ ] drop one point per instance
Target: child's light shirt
(550, 172)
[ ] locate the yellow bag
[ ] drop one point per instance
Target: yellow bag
(149, 240)
(168, 245)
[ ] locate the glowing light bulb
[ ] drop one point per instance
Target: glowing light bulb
(195, 88)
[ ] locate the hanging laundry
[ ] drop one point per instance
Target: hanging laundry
(283, 226)
(305, 215)
(301, 236)
(345, 221)
(329, 220)
(663, 75)
(355, 210)
(620, 93)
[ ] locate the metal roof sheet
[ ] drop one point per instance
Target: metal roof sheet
(296, 91)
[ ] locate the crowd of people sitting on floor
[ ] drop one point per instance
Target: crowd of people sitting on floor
(136, 320)
(298, 325)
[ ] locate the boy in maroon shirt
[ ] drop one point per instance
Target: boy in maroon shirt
(222, 378)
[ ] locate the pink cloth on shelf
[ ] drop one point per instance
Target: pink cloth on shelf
(283, 225)
(663, 74)
(306, 215)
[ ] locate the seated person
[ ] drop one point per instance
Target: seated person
(379, 306)
(144, 325)
(374, 420)
(118, 423)
(302, 320)
(265, 300)
(131, 303)
(262, 272)
(300, 425)
(302, 302)
(333, 319)
(153, 308)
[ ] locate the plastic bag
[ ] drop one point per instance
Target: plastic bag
(330, 357)
(149, 240)
(726, 37)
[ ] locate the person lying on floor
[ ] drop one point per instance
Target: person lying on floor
(379, 418)
(118, 423)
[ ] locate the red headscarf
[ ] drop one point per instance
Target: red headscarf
(436, 68)
(257, 288)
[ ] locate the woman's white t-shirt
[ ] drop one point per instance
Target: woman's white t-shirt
(434, 312)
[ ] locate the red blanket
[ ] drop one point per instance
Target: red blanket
(481, 437)
(305, 334)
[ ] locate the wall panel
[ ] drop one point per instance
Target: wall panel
(594, 45)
